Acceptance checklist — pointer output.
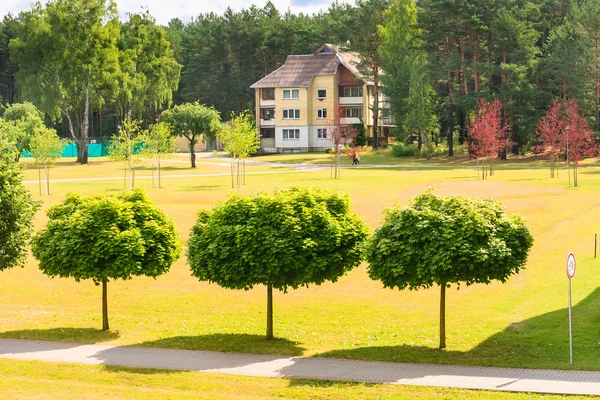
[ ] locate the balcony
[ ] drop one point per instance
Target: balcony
(350, 120)
(267, 122)
(267, 102)
(354, 101)
(387, 121)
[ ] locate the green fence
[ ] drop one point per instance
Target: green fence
(70, 150)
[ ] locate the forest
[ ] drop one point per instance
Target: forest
(434, 59)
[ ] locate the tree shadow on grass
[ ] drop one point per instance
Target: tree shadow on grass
(74, 335)
(139, 371)
(538, 342)
(230, 343)
(201, 188)
(321, 383)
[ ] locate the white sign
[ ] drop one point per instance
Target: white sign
(570, 265)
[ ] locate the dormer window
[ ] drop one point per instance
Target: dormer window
(321, 94)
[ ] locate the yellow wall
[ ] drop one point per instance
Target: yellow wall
(330, 83)
(257, 110)
(281, 104)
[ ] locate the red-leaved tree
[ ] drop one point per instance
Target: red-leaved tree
(340, 133)
(488, 135)
(549, 132)
(577, 140)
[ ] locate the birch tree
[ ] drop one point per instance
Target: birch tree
(46, 148)
(149, 73)
(240, 140)
(125, 148)
(157, 143)
(68, 61)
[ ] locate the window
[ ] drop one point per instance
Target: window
(351, 91)
(291, 114)
(322, 133)
(268, 94)
(291, 134)
(267, 133)
(321, 113)
(267, 114)
(354, 112)
(321, 94)
(289, 94)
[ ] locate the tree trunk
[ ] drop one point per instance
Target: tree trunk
(450, 120)
(192, 144)
(158, 173)
(82, 151)
(233, 173)
(85, 127)
(375, 106)
(269, 311)
(476, 62)
(443, 316)
(47, 174)
(104, 305)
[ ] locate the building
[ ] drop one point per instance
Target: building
(295, 104)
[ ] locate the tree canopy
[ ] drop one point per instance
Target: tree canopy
(149, 72)
(444, 240)
(292, 238)
(193, 121)
(68, 61)
(106, 237)
(17, 210)
(25, 119)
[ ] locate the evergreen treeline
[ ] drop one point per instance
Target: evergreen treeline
(524, 52)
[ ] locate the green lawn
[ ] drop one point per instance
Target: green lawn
(37, 380)
(522, 323)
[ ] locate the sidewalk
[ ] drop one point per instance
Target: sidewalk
(506, 379)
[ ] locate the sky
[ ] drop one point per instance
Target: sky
(165, 10)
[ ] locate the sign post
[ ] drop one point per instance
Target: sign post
(570, 274)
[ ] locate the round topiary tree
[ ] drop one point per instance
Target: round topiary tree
(292, 238)
(17, 210)
(107, 237)
(444, 240)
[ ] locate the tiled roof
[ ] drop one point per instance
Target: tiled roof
(299, 70)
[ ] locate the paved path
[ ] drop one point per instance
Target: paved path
(506, 379)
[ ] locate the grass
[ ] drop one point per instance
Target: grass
(522, 323)
(384, 157)
(42, 380)
(102, 167)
